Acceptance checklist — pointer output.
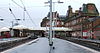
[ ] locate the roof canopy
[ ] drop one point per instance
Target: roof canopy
(61, 29)
(4, 29)
(53, 28)
(20, 27)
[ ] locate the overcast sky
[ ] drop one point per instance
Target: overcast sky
(37, 10)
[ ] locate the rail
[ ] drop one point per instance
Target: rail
(94, 44)
(12, 43)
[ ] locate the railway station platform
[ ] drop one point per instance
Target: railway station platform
(41, 45)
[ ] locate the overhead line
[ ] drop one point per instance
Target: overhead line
(31, 18)
(22, 3)
(24, 9)
(27, 12)
(17, 4)
(13, 14)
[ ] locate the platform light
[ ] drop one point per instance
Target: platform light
(1, 19)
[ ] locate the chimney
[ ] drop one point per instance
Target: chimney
(69, 11)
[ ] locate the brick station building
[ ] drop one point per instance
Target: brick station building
(85, 22)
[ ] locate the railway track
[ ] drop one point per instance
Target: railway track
(7, 45)
(89, 44)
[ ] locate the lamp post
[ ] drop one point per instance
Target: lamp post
(1, 20)
(12, 31)
(54, 3)
(59, 2)
(50, 29)
(50, 42)
(54, 20)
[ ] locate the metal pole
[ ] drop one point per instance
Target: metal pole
(82, 28)
(50, 42)
(92, 31)
(12, 32)
(53, 28)
(54, 6)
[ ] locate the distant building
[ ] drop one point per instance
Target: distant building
(58, 20)
(83, 21)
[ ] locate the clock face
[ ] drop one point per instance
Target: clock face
(90, 8)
